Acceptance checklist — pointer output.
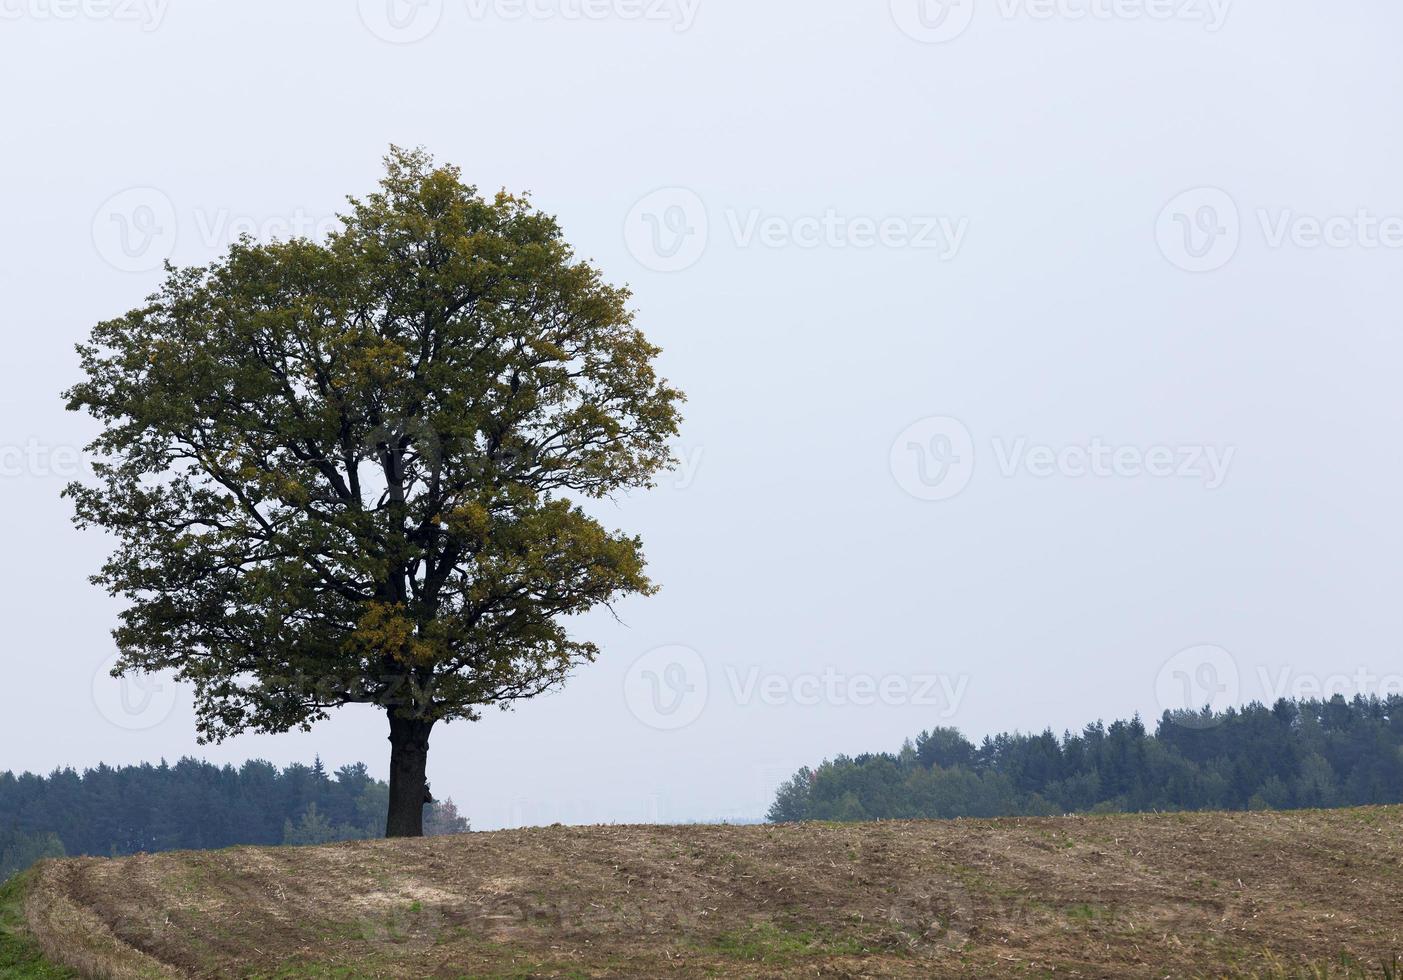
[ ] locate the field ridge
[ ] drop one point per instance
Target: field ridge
(1304, 893)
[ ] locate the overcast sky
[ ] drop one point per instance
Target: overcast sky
(1043, 358)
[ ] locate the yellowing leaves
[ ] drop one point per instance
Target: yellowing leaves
(470, 520)
(385, 631)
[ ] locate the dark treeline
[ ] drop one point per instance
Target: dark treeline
(1296, 754)
(191, 805)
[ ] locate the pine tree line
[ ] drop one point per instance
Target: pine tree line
(1293, 755)
(192, 805)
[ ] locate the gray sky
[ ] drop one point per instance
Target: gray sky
(1042, 356)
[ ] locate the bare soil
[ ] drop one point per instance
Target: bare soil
(1180, 895)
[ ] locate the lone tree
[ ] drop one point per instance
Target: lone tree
(342, 472)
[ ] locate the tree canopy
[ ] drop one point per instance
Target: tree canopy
(352, 471)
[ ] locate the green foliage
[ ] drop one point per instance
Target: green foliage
(1292, 755)
(792, 799)
(113, 812)
(944, 747)
(371, 804)
(19, 850)
(313, 828)
(343, 472)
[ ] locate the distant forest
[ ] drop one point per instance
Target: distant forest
(192, 805)
(1293, 755)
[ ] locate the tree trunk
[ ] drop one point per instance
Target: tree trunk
(409, 786)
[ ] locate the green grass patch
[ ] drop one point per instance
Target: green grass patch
(19, 955)
(766, 942)
(1084, 913)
